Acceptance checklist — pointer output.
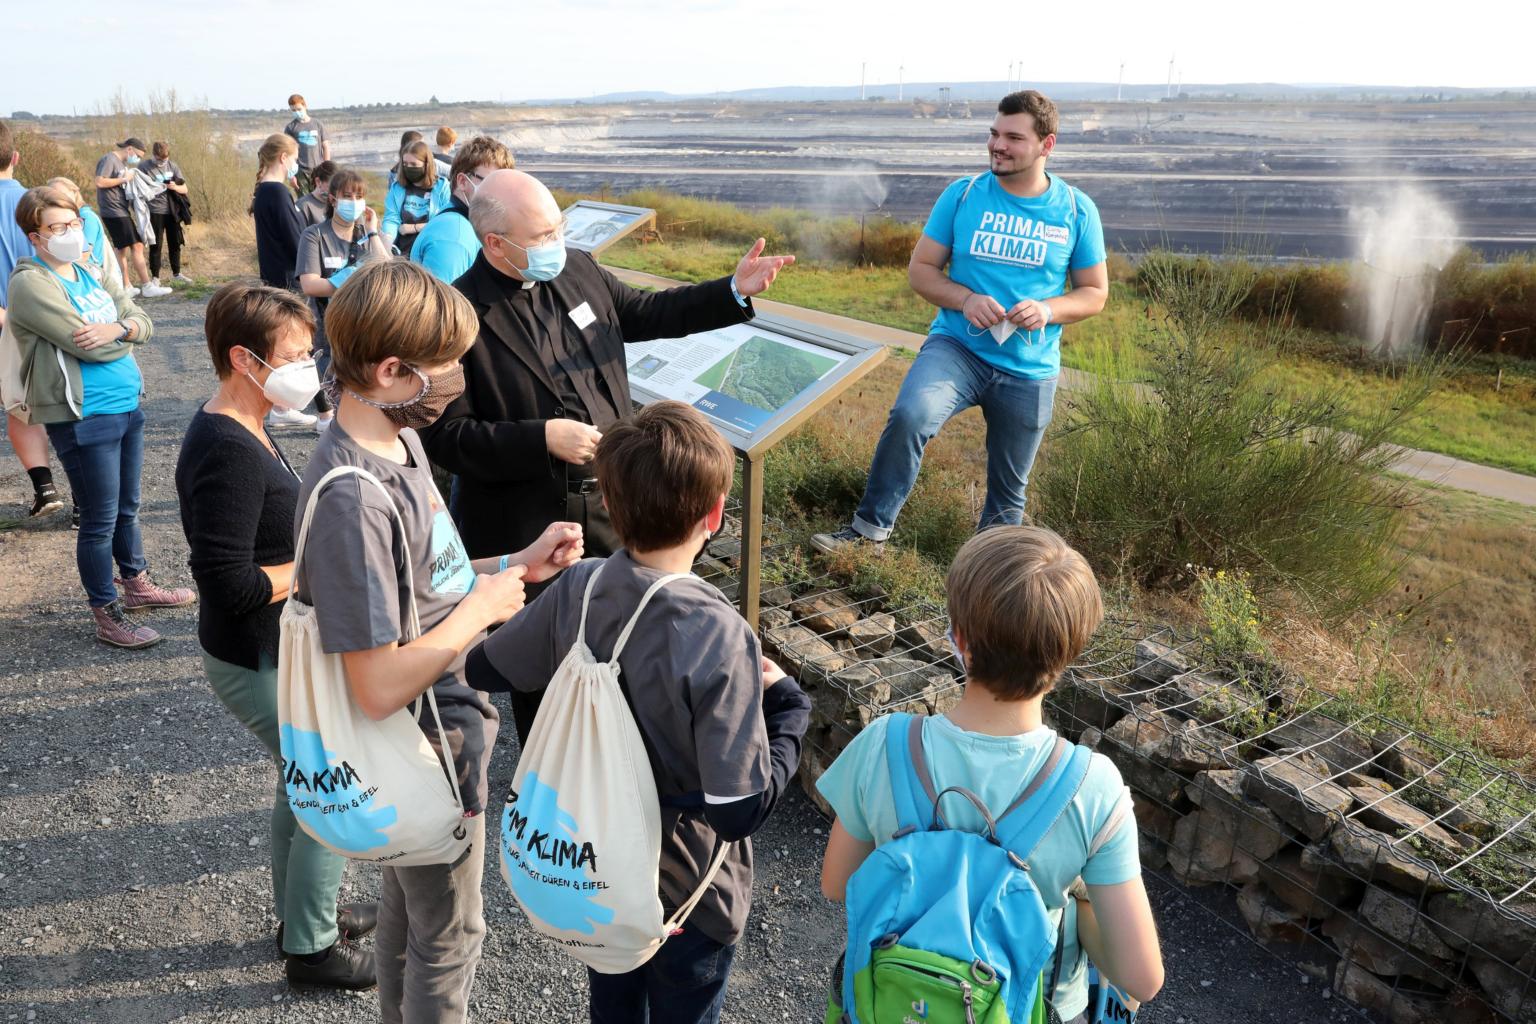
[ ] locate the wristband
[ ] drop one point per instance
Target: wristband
(506, 560)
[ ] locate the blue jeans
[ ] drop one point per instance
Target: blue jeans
(102, 456)
(684, 983)
(945, 379)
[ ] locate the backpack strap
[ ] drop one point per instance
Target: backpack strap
(618, 645)
(586, 599)
(911, 784)
(1048, 796)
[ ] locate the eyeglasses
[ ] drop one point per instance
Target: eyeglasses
(62, 227)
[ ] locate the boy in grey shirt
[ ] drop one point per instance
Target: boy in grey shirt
(722, 725)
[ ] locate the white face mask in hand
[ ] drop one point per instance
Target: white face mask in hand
(1002, 330)
(292, 385)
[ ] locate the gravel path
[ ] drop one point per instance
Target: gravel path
(134, 885)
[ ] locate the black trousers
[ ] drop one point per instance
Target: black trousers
(168, 232)
(598, 541)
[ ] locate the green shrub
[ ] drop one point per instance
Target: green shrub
(43, 159)
(1189, 454)
(220, 179)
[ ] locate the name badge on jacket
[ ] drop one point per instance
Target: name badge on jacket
(582, 315)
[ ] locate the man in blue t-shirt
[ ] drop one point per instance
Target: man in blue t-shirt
(1012, 238)
(29, 440)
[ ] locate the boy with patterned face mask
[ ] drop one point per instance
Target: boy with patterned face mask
(397, 334)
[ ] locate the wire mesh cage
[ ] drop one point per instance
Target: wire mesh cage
(1410, 863)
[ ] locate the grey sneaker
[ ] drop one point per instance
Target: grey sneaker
(183, 278)
(113, 626)
(831, 543)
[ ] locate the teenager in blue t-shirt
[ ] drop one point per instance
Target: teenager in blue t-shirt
(1012, 239)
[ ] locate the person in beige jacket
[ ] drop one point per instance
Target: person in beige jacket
(75, 336)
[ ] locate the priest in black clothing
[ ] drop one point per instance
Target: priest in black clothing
(547, 374)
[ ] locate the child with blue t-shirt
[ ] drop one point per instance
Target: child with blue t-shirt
(1022, 607)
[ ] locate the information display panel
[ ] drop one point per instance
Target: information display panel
(750, 379)
(593, 226)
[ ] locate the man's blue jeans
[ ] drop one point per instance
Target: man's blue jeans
(103, 456)
(945, 379)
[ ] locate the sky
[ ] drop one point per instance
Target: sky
(240, 54)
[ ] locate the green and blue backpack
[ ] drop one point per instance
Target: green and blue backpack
(945, 926)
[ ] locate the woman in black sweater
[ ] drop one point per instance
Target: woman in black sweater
(238, 494)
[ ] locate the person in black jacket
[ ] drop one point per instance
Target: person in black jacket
(278, 222)
(238, 495)
(547, 375)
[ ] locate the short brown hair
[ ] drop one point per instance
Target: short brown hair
(161, 150)
(30, 208)
(482, 149)
(446, 136)
(420, 150)
(7, 146)
(296, 99)
(661, 470)
(1025, 605)
(1037, 105)
(250, 316)
(396, 308)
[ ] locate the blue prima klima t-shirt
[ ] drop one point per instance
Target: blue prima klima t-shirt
(109, 387)
(1013, 248)
(1095, 838)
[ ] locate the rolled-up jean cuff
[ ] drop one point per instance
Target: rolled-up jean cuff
(869, 531)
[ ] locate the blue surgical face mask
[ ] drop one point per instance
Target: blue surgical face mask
(350, 210)
(298, 115)
(545, 261)
(132, 161)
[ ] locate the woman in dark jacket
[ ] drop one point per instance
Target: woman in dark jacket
(238, 494)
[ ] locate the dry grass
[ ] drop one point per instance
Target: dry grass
(1469, 573)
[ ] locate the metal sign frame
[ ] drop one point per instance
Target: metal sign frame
(643, 215)
(752, 447)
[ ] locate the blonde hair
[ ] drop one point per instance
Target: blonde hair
(30, 208)
(1025, 604)
(396, 308)
(272, 150)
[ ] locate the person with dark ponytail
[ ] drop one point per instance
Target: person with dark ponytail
(328, 254)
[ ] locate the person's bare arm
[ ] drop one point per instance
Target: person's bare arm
(843, 857)
(282, 580)
(1116, 929)
(325, 149)
(382, 680)
(925, 273)
(314, 284)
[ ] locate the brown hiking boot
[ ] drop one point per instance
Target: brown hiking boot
(140, 592)
(113, 626)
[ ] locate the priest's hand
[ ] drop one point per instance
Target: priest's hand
(756, 272)
(571, 440)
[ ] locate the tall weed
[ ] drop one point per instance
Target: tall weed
(1188, 454)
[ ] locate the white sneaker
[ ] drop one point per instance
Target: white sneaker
(183, 278)
(289, 418)
(323, 423)
(133, 293)
(154, 291)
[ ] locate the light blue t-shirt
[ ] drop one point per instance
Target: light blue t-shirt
(1013, 248)
(446, 246)
(109, 387)
(96, 238)
(997, 768)
(14, 244)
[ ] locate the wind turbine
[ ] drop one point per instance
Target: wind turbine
(901, 78)
(1120, 83)
(1169, 93)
